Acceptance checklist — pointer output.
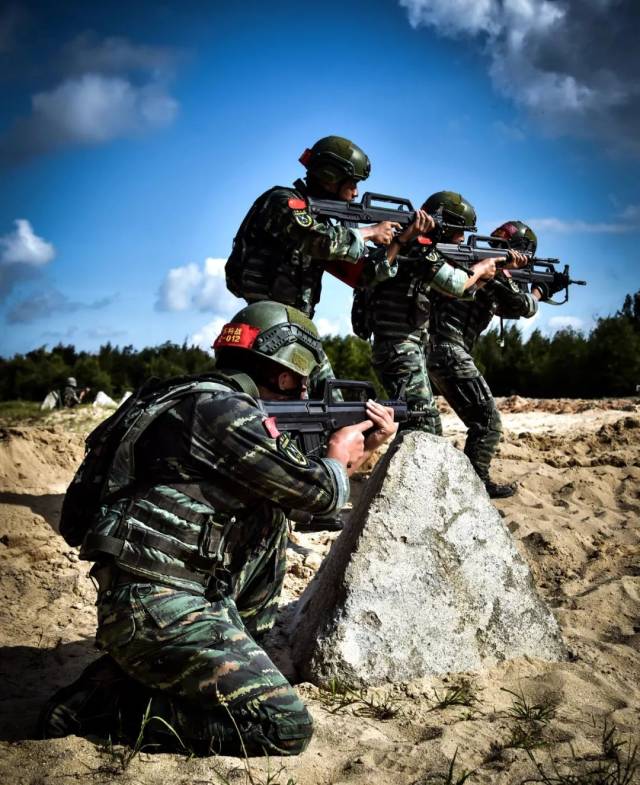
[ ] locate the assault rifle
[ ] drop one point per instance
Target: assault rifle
(367, 211)
(538, 271)
(312, 422)
(364, 211)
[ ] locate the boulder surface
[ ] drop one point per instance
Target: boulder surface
(424, 580)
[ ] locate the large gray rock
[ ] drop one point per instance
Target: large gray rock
(425, 580)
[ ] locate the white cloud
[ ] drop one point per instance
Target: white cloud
(562, 322)
(177, 290)
(191, 287)
(23, 255)
(453, 17)
(629, 222)
(23, 246)
(207, 334)
(93, 108)
(551, 57)
(328, 326)
(111, 89)
(41, 305)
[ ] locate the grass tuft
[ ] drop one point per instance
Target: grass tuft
(122, 758)
(337, 696)
(450, 777)
(523, 709)
(616, 763)
(462, 693)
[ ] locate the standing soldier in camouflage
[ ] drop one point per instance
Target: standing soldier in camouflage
(280, 249)
(396, 311)
(190, 555)
(455, 327)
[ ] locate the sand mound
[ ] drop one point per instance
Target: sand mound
(575, 521)
(38, 458)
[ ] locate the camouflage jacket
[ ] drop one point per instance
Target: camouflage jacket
(213, 479)
(279, 250)
(399, 307)
(462, 321)
(70, 396)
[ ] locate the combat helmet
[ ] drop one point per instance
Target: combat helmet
(455, 211)
(334, 159)
(274, 331)
(520, 236)
(71, 381)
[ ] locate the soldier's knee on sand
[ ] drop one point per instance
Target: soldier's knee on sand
(292, 732)
(276, 731)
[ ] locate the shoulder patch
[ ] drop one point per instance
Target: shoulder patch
(287, 447)
(297, 204)
(303, 218)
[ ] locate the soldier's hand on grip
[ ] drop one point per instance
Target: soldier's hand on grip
(382, 233)
(384, 426)
(517, 260)
(423, 224)
(486, 269)
(347, 444)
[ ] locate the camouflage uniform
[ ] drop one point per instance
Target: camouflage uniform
(196, 565)
(455, 326)
(399, 313)
(280, 250)
(70, 397)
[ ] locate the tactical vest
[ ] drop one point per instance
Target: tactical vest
(166, 533)
(264, 266)
(399, 307)
(462, 321)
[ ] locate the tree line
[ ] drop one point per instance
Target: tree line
(606, 362)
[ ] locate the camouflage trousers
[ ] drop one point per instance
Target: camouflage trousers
(457, 378)
(196, 664)
(399, 363)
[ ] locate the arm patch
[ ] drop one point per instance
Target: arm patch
(287, 447)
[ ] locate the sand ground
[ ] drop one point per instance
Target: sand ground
(575, 520)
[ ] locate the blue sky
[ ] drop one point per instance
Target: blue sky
(133, 141)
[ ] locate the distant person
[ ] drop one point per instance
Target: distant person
(455, 326)
(72, 396)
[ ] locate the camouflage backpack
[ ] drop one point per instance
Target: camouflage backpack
(361, 313)
(108, 468)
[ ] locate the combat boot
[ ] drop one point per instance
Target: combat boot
(88, 706)
(498, 491)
